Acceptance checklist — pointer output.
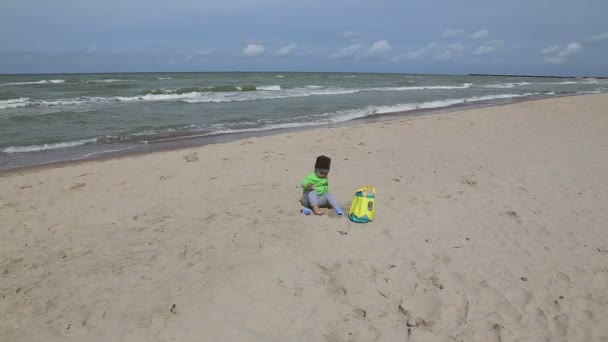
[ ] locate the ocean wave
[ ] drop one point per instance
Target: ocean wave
(110, 80)
(504, 85)
(192, 95)
(14, 103)
(270, 87)
(197, 89)
(375, 110)
(597, 91)
(33, 82)
(27, 102)
(351, 114)
(440, 87)
(240, 126)
(164, 78)
(268, 95)
(44, 147)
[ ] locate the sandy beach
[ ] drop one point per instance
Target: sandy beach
(490, 226)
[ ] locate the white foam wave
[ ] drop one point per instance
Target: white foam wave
(164, 78)
(110, 80)
(155, 97)
(14, 103)
(266, 95)
(33, 82)
(504, 85)
(351, 114)
(44, 147)
(269, 93)
(462, 86)
(281, 76)
(270, 87)
(567, 82)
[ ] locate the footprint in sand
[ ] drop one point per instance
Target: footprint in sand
(77, 186)
(511, 214)
(192, 157)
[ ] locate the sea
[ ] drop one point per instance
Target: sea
(63, 117)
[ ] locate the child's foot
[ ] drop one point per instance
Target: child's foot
(306, 211)
(317, 210)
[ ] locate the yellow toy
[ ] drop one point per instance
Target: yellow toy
(363, 208)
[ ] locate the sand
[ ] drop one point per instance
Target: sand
(490, 226)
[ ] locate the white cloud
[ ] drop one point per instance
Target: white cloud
(439, 52)
(557, 55)
(348, 52)
(570, 49)
(443, 55)
(450, 33)
(599, 37)
(550, 49)
(199, 54)
(480, 34)
(253, 51)
(456, 47)
(350, 34)
(286, 50)
(379, 50)
(489, 46)
(413, 55)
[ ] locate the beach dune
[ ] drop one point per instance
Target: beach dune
(490, 226)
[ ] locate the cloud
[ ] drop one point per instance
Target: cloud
(557, 55)
(570, 49)
(350, 34)
(199, 54)
(550, 49)
(444, 55)
(480, 34)
(450, 33)
(379, 49)
(456, 47)
(286, 50)
(348, 52)
(412, 55)
(438, 51)
(253, 51)
(488, 47)
(599, 37)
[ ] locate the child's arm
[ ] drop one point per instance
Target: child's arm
(307, 183)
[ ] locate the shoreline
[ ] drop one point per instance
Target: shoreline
(101, 152)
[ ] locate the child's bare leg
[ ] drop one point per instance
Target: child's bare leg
(313, 200)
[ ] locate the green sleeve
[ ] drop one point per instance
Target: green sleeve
(307, 180)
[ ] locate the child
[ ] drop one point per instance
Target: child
(316, 189)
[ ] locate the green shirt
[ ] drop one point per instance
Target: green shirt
(320, 184)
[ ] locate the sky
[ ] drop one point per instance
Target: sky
(541, 37)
